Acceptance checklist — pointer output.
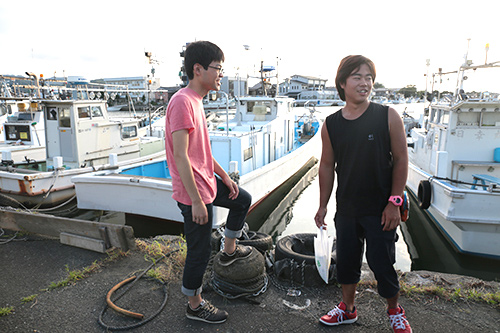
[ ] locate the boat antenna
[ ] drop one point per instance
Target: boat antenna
(262, 77)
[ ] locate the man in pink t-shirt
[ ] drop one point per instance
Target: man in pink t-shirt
(195, 186)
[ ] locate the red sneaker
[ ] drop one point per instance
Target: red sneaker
(399, 322)
(339, 315)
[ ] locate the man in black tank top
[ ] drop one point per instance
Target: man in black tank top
(365, 144)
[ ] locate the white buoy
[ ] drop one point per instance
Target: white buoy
(233, 166)
(58, 162)
(6, 155)
(113, 159)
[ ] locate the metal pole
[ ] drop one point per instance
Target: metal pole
(227, 112)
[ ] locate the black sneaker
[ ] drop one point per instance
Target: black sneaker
(207, 312)
(241, 252)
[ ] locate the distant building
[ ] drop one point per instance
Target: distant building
(297, 84)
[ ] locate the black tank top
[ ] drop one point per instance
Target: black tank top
(362, 151)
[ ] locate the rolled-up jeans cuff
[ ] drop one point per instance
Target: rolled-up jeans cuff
(232, 234)
(191, 292)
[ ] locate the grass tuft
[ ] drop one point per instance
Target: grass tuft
(5, 311)
(28, 299)
(170, 252)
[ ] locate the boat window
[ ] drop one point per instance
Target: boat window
(445, 118)
(96, 111)
(259, 107)
(468, 119)
(3, 109)
(84, 112)
(490, 119)
(64, 118)
(247, 154)
(129, 132)
(51, 113)
(432, 115)
(25, 116)
(438, 116)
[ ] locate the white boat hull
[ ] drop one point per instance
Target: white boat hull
(50, 188)
(465, 216)
(153, 196)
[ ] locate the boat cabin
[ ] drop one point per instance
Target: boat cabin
(24, 123)
(81, 132)
(460, 140)
(262, 131)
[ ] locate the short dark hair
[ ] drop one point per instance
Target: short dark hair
(348, 65)
(203, 53)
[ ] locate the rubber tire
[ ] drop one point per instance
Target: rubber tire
(216, 237)
(261, 241)
(299, 247)
(242, 269)
(424, 194)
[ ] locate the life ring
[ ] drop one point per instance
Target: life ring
(424, 194)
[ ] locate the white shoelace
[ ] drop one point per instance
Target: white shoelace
(337, 311)
(398, 321)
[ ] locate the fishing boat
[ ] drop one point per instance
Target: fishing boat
(454, 169)
(263, 146)
(22, 130)
(80, 137)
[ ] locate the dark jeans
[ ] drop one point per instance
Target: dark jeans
(198, 236)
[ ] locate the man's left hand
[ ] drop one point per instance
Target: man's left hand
(234, 190)
(391, 217)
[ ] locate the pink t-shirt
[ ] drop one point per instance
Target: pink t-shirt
(185, 112)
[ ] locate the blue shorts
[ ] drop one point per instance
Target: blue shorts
(380, 252)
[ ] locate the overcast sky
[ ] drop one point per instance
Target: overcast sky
(98, 39)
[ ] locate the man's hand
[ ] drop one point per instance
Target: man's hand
(391, 217)
(234, 190)
(320, 217)
(199, 213)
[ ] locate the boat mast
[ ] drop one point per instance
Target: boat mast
(461, 73)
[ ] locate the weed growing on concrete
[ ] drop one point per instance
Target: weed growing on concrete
(170, 251)
(454, 295)
(5, 311)
(28, 299)
(78, 274)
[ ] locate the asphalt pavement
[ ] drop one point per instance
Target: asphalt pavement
(31, 267)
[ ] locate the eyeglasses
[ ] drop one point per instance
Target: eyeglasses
(220, 69)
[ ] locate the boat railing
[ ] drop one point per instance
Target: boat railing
(237, 133)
